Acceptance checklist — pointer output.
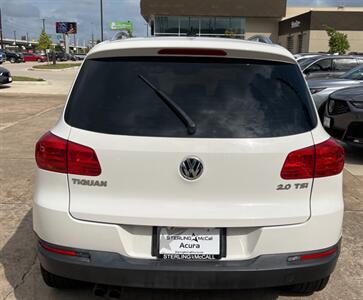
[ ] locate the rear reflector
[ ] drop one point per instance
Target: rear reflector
(322, 160)
(189, 51)
(55, 154)
(318, 255)
(57, 250)
(311, 256)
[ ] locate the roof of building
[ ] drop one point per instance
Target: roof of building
(320, 20)
(228, 8)
(233, 47)
(293, 11)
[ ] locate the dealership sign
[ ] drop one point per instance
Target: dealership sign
(295, 24)
(121, 26)
(66, 27)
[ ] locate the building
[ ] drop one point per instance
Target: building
(236, 18)
(299, 29)
(306, 32)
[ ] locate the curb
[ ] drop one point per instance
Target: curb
(30, 83)
(50, 70)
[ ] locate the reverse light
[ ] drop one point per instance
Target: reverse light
(56, 154)
(322, 160)
(192, 51)
(317, 90)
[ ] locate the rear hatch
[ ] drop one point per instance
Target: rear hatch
(249, 116)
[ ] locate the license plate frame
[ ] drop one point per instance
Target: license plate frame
(155, 251)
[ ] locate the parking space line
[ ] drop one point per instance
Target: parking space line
(31, 117)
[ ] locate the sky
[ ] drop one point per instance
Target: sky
(25, 16)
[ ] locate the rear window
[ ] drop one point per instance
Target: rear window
(225, 98)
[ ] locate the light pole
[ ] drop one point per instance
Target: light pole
(101, 4)
(1, 32)
(14, 37)
(43, 24)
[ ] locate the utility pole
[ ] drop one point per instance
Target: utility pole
(14, 37)
(93, 40)
(43, 24)
(1, 32)
(101, 3)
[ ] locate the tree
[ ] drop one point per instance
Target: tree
(338, 42)
(230, 33)
(44, 41)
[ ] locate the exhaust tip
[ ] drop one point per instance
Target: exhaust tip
(100, 290)
(114, 292)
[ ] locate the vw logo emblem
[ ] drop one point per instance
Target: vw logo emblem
(191, 168)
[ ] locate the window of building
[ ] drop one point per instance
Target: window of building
(300, 43)
(200, 26)
(290, 43)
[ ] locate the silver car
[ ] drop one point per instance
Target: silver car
(326, 66)
(322, 88)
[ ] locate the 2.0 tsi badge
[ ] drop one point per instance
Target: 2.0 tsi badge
(191, 168)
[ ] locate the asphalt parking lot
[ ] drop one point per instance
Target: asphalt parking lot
(24, 117)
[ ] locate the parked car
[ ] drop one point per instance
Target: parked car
(206, 168)
(322, 88)
(61, 56)
(5, 76)
(71, 57)
(2, 56)
(14, 57)
(300, 59)
(329, 66)
(344, 115)
(34, 57)
(80, 56)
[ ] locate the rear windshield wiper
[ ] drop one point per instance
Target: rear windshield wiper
(180, 113)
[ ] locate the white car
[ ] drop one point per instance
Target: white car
(193, 163)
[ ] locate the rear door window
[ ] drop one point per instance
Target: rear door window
(344, 64)
(226, 98)
(324, 65)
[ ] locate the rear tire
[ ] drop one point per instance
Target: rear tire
(58, 282)
(308, 287)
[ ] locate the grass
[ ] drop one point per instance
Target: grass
(58, 66)
(25, 78)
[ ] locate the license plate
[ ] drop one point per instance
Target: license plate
(10, 79)
(190, 243)
(327, 122)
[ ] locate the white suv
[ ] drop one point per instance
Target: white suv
(189, 163)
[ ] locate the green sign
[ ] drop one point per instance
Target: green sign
(121, 26)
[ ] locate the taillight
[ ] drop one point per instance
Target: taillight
(51, 153)
(55, 154)
(322, 160)
(329, 159)
(192, 51)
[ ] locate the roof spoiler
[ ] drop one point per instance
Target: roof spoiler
(261, 39)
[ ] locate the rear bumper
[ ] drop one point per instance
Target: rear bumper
(114, 269)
